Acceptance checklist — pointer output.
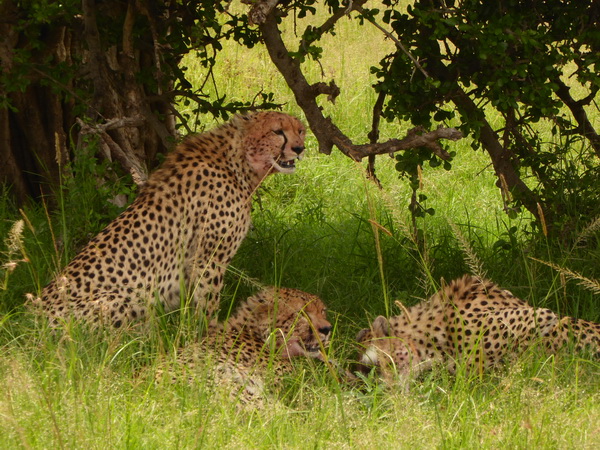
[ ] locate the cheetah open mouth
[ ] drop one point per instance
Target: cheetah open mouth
(295, 348)
(285, 166)
(315, 348)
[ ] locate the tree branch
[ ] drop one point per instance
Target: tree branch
(330, 23)
(415, 138)
(111, 149)
(121, 122)
(326, 132)
(374, 134)
(584, 126)
(260, 10)
(399, 44)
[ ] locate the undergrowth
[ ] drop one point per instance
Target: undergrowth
(78, 388)
(329, 231)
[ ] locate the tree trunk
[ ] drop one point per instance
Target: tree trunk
(98, 93)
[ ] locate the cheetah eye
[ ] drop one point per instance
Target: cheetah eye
(278, 132)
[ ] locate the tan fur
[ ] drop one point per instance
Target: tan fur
(264, 332)
(471, 320)
(183, 228)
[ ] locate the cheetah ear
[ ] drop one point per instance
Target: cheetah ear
(361, 334)
(381, 326)
(240, 121)
(261, 298)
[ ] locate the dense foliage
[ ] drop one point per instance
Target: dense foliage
(534, 63)
(464, 63)
(110, 71)
(113, 70)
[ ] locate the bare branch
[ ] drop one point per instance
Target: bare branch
(121, 122)
(111, 149)
(377, 111)
(326, 132)
(331, 90)
(415, 138)
(399, 44)
(584, 127)
(374, 135)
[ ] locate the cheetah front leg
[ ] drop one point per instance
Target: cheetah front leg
(205, 287)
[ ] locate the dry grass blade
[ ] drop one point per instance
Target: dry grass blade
(404, 309)
(14, 247)
(14, 240)
(380, 227)
(587, 283)
(475, 265)
(591, 228)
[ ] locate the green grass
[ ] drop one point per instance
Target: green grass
(79, 391)
(313, 231)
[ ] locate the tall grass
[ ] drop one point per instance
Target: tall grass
(329, 231)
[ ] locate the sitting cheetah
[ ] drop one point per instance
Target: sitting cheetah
(182, 229)
(471, 320)
(265, 331)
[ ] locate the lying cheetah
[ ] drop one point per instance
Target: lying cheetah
(182, 230)
(263, 334)
(471, 320)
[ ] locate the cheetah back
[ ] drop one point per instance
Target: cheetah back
(470, 319)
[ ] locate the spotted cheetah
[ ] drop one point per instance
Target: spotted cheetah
(261, 336)
(176, 239)
(471, 320)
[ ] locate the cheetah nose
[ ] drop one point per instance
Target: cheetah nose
(325, 330)
(297, 150)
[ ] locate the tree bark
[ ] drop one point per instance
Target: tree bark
(585, 127)
(508, 178)
(102, 95)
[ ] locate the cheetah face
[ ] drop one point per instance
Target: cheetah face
(379, 348)
(302, 326)
(295, 319)
(272, 141)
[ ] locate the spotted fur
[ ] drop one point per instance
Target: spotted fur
(472, 320)
(183, 228)
(265, 331)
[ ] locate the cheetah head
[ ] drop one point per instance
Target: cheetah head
(272, 141)
(379, 348)
(295, 319)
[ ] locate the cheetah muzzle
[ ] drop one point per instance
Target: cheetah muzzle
(285, 164)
